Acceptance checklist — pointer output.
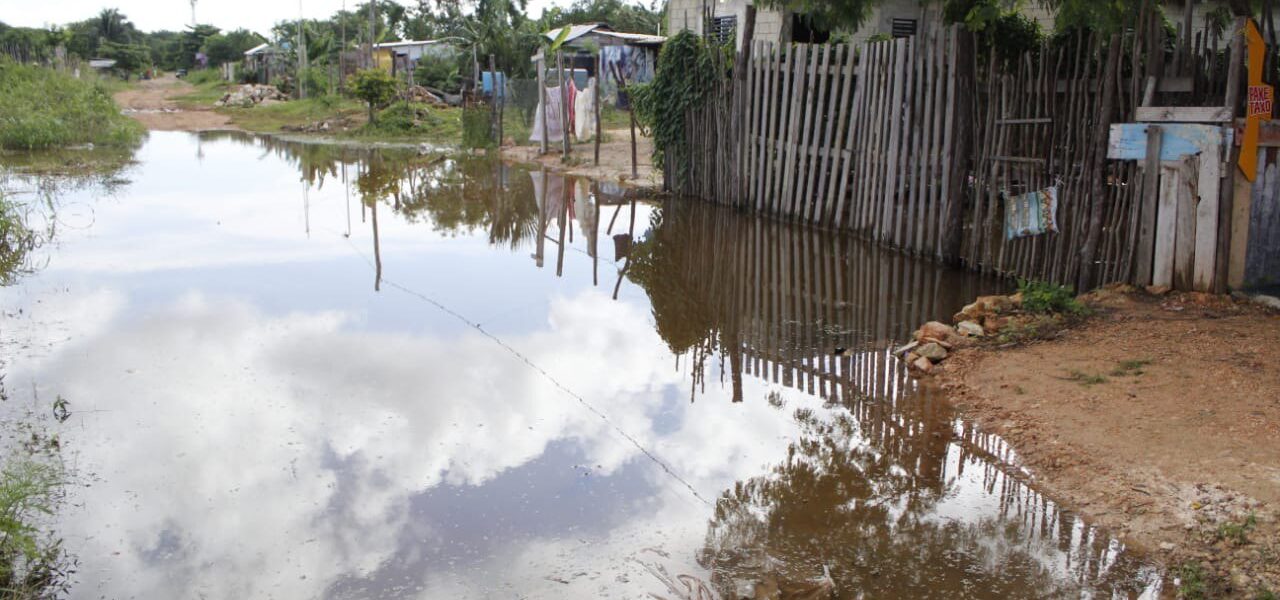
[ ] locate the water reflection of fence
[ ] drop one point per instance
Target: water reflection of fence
(808, 308)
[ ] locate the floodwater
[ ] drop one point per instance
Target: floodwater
(310, 371)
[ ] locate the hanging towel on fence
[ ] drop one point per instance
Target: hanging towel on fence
(584, 111)
(1032, 213)
(550, 103)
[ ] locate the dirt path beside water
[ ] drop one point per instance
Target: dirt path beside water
(615, 160)
(1159, 419)
(151, 102)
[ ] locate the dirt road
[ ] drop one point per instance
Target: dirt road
(152, 103)
(1160, 419)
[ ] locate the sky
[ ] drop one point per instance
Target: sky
(154, 15)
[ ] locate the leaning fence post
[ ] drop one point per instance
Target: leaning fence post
(542, 97)
(1226, 197)
(1099, 187)
(564, 103)
(596, 100)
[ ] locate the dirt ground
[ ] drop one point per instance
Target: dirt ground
(1158, 419)
(151, 103)
(615, 160)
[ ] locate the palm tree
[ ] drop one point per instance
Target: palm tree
(111, 25)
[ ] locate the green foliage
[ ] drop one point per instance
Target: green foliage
(1237, 532)
(833, 14)
(1191, 581)
(130, 58)
(17, 241)
(683, 77)
(1006, 31)
(439, 72)
(477, 128)
(230, 46)
(43, 108)
(204, 77)
(377, 88)
(1044, 297)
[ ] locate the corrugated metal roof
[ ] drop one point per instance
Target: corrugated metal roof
(579, 31)
(256, 49)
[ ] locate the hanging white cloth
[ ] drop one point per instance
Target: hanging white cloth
(555, 131)
(584, 124)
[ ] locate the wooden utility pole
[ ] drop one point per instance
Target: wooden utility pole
(564, 103)
(624, 89)
(302, 55)
(1226, 196)
(595, 101)
(542, 96)
(495, 128)
(373, 28)
(1088, 253)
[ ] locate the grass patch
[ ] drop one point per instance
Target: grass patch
(17, 241)
(411, 122)
(203, 95)
(1237, 532)
(273, 118)
(1191, 581)
(1126, 368)
(1040, 297)
(1086, 379)
(44, 108)
(1028, 328)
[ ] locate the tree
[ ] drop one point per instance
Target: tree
(375, 87)
(130, 58)
(230, 47)
(834, 14)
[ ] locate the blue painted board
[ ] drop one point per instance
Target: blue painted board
(1128, 141)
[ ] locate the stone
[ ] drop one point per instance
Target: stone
(970, 329)
(911, 357)
(1167, 546)
(905, 349)
(932, 351)
(923, 365)
(935, 330)
(1015, 300)
(943, 343)
(993, 324)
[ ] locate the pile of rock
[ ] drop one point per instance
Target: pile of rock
(326, 126)
(250, 95)
(935, 341)
(417, 93)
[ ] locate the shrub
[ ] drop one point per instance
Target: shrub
(685, 73)
(43, 108)
(377, 88)
(1044, 297)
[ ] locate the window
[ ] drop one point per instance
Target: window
(904, 28)
(723, 29)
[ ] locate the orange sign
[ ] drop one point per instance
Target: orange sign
(1261, 98)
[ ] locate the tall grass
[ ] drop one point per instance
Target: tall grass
(44, 108)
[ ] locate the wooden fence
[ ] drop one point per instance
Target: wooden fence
(916, 143)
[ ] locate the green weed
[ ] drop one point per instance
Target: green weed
(1130, 367)
(44, 108)
(1266, 594)
(1043, 297)
(1237, 532)
(1086, 378)
(1191, 581)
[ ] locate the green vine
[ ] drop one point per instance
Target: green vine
(684, 74)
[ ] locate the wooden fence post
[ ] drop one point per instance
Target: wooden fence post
(1226, 197)
(596, 100)
(564, 103)
(542, 97)
(1099, 185)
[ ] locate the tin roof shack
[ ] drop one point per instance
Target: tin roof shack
(634, 54)
(265, 64)
(401, 58)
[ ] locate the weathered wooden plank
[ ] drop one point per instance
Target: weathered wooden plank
(1128, 141)
(846, 164)
(1208, 185)
(804, 183)
(1183, 114)
(890, 198)
(1150, 201)
(793, 128)
(1184, 246)
(836, 132)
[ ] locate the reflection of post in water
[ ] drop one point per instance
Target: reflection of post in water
(346, 187)
(540, 247)
(563, 219)
(377, 249)
(631, 232)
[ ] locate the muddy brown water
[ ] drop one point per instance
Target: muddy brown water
(314, 371)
